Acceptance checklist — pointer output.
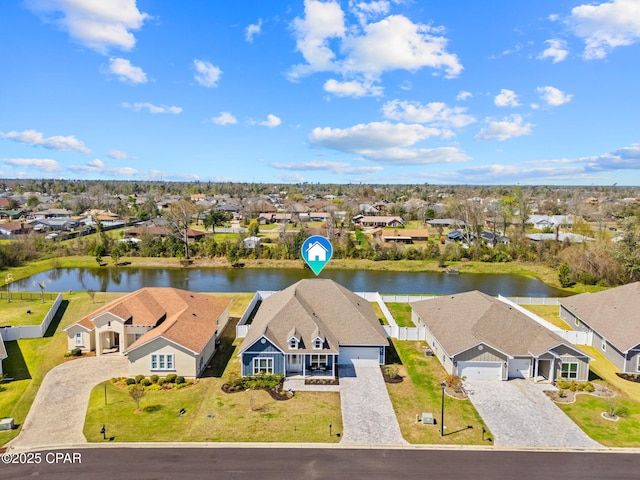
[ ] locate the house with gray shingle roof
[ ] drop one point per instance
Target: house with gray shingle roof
(160, 330)
(312, 326)
(613, 317)
(477, 336)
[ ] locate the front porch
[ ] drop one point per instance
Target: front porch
(310, 365)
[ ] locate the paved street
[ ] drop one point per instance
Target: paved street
(519, 414)
(59, 409)
(367, 414)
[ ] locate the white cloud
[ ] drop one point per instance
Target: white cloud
(511, 126)
(253, 30)
(138, 106)
(225, 118)
(127, 72)
(33, 137)
(96, 163)
(506, 98)
(418, 156)
(366, 11)
(606, 26)
(553, 96)
(272, 121)
(118, 155)
(291, 177)
(97, 24)
(207, 74)
(557, 50)
(334, 167)
(463, 95)
(40, 164)
(363, 138)
(436, 113)
(369, 49)
(352, 88)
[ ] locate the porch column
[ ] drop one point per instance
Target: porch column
(98, 343)
(535, 370)
(304, 365)
(333, 366)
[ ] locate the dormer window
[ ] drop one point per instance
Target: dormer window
(293, 343)
(317, 343)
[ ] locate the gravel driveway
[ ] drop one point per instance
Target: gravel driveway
(367, 414)
(519, 414)
(59, 409)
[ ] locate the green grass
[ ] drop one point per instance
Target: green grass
(239, 302)
(420, 391)
(586, 413)
(212, 415)
(378, 310)
(15, 314)
(551, 313)
(604, 369)
(402, 313)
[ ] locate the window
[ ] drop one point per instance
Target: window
(293, 343)
(604, 345)
(79, 340)
(569, 370)
(262, 365)
(162, 361)
(317, 343)
(109, 324)
(319, 361)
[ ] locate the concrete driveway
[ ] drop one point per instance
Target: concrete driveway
(519, 414)
(59, 409)
(367, 414)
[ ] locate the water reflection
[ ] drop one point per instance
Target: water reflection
(250, 280)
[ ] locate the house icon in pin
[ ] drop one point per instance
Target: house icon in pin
(316, 252)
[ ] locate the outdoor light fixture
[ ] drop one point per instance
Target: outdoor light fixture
(103, 431)
(330, 427)
(443, 385)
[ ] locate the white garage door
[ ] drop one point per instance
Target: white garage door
(519, 368)
(362, 355)
(480, 370)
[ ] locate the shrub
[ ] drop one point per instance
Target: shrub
(588, 387)
(139, 378)
(161, 381)
(171, 378)
(563, 384)
(179, 380)
(76, 352)
(454, 382)
(154, 387)
(154, 378)
(131, 381)
(145, 382)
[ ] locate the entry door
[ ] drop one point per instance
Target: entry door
(295, 363)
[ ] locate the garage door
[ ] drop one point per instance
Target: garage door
(361, 355)
(519, 368)
(480, 370)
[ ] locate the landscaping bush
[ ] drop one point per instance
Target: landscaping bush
(154, 378)
(145, 382)
(588, 387)
(454, 382)
(161, 381)
(131, 381)
(171, 378)
(139, 378)
(76, 352)
(179, 380)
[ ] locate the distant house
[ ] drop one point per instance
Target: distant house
(251, 242)
(54, 224)
(550, 221)
(477, 336)
(312, 327)
(15, 228)
(445, 222)
(162, 231)
(405, 235)
(380, 221)
(160, 330)
(613, 318)
(560, 237)
(52, 213)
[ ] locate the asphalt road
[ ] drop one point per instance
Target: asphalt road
(307, 464)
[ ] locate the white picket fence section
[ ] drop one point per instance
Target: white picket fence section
(32, 331)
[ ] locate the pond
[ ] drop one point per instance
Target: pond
(250, 280)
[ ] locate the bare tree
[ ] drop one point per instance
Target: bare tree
(92, 294)
(7, 280)
(179, 217)
(41, 285)
(137, 393)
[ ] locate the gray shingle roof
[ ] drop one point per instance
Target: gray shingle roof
(316, 307)
(613, 313)
(462, 321)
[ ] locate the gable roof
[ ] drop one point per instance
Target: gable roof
(316, 307)
(462, 321)
(613, 313)
(185, 318)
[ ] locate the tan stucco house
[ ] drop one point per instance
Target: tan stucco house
(480, 337)
(160, 330)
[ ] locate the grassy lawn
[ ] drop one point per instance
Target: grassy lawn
(381, 317)
(15, 314)
(550, 313)
(239, 302)
(402, 313)
(606, 370)
(421, 392)
(211, 414)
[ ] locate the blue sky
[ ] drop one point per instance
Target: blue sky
(389, 91)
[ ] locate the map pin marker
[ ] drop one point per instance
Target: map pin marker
(317, 251)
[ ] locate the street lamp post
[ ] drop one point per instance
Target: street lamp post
(443, 385)
(103, 431)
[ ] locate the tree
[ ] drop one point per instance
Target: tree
(254, 228)
(521, 202)
(215, 218)
(564, 276)
(137, 393)
(92, 295)
(116, 253)
(41, 285)
(179, 217)
(7, 280)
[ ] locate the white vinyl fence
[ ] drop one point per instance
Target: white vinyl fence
(32, 331)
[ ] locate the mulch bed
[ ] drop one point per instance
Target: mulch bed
(631, 377)
(570, 397)
(390, 379)
(276, 393)
(321, 381)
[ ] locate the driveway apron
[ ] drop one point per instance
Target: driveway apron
(519, 414)
(367, 413)
(59, 409)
